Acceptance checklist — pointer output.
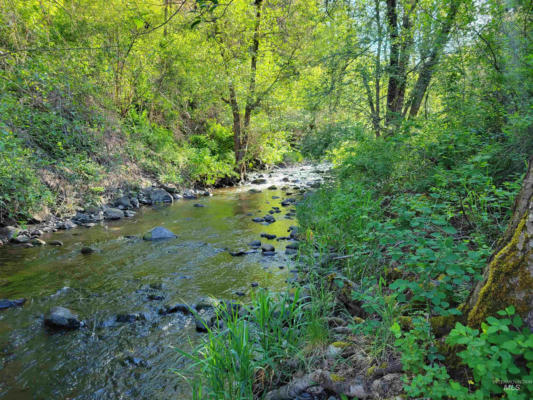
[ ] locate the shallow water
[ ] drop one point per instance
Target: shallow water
(133, 360)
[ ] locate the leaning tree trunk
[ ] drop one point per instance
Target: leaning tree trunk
(508, 278)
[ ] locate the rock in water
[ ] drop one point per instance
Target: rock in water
(62, 318)
(113, 213)
(160, 196)
(6, 303)
(87, 250)
(267, 248)
(159, 233)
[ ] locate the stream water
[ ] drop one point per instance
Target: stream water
(105, 360)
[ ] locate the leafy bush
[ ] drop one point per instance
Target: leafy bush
(500, 359)
(20, 189)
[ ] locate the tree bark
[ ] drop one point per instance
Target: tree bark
(508, 278)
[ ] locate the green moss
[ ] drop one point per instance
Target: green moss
(509, 280)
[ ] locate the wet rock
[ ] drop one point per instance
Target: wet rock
(159, 233)
(240, 294)
(255, 244)
(62, 318)
(275, 197)
(189, 195)
(290, 251)
(55, 243)
(37, 232)
(38, 242)
(207, 193)
(268, 253)
(27, 245)
(155, 297)
(20, 239)
(269, 218)
(158, 195)
(129, 318)
(6, 303)
(259, 181)
(199, 205)
(238, 253)
(253, 190)
(87, 250)
(68, 224)
(129, 213)
(113, 213)
(285, 179)
(174, 308)
(134, 202)
(273, 187)
(254, 284)
(268, 236)
(267, 247)
(258, 219)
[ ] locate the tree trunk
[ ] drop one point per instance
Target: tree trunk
(426, 72)
(508, 278)
(394, 60)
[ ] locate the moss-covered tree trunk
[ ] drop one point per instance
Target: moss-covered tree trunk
(508, 278)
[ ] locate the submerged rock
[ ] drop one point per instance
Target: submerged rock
(174, 308)
(255, 244)
(159, 233)
(259, 181)
(62, 318)
(199, 205)
(55, 243)
(268, 236)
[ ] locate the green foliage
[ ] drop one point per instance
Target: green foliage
(20, 189)
(500, 359)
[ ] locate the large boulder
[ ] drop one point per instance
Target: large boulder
(113, 213)
(8, 232)
(158, 195)
(159, 233)
(62, 318)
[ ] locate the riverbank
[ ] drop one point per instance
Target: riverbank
(117, 203)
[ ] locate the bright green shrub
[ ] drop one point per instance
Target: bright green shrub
(21, 191)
